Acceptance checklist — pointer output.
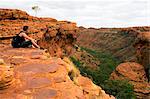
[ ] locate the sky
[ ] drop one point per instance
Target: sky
(88, 13)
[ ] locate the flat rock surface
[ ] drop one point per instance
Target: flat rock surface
(43, 78)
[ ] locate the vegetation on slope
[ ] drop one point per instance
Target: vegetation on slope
(100, 76)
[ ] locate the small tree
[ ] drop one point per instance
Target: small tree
(36, 9)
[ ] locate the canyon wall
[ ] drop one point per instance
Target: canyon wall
(126, 44)
(118, 41)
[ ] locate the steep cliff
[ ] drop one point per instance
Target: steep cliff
(142, 46)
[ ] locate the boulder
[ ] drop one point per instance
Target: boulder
(6, 75)
(135, 74)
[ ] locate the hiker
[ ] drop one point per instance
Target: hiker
(22, 40)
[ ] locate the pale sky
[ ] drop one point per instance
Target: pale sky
(88, 13)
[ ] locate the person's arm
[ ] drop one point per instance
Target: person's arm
(29, 38)
(25, 36)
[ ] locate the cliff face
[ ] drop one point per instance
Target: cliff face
(142, 46)
(60, 39)
(57, 36)
(117, 41)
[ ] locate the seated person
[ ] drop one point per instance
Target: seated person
(22, 40)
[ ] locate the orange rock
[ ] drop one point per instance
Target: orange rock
(13, 14)
(44, 79)
(59, 36)
(135, 73)
(6, 75)
(67, 26)
(144, 36)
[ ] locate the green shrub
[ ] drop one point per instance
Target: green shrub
(107, 65)
(100, 76)
(119, 88)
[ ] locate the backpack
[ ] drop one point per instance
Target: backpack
(17, 41)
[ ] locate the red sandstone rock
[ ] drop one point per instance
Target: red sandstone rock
(13, 14)
(46, 79)
(59, 39)
(135, 73)
(6, 75)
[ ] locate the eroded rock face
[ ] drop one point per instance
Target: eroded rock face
(46, 78)
(56, 36)
(136, 75)
(6, 75)
(59, 40)
(142, 46)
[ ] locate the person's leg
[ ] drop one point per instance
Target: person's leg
(26, 44)
(35, 44)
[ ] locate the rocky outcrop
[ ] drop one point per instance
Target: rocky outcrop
(6, 75)
(13, 14)
(135, 74)
(59, 40)
(56, 36)
(39, 76)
